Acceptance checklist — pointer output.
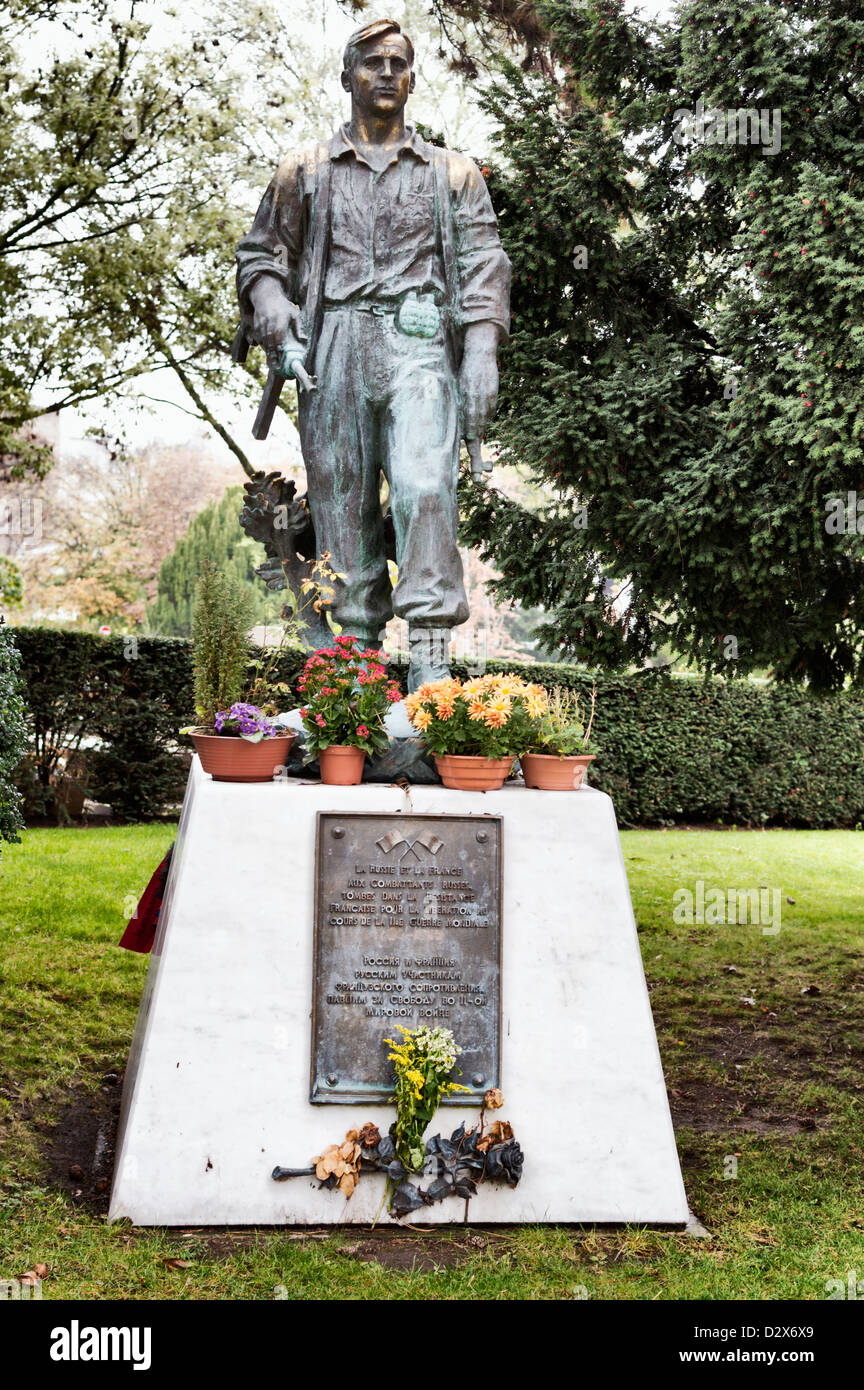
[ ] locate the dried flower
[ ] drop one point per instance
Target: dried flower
(337, 1165)
(493, 1099)
(498, 1133)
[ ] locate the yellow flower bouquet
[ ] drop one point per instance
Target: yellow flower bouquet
(425, 1063)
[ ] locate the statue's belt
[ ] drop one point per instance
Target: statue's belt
(377, 309)
(417, 316)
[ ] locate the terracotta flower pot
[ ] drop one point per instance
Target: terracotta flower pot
(464, 772)
(237, 760)
(341, 765)
(550, 774)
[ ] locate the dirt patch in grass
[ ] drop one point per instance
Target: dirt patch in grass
(817, 1051)
(711, 1108)
(78, 1144)
(758, 1069)
(218, 1244)
(391, 1248)
(409, 1251)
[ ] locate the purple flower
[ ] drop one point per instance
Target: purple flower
(244, 720)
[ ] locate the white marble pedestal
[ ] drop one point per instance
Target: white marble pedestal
(217, 1086)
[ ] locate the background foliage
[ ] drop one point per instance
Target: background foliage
(13, 734)
(696, 382)
(214, 534)
(112, 702)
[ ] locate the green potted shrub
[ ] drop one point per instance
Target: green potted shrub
(235, 740)
(561, 749)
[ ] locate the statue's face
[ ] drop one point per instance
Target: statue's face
(381, 77)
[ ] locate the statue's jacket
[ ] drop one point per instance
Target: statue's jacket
(336, 232)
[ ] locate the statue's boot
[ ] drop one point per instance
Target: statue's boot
(365, 638)
(430, 648)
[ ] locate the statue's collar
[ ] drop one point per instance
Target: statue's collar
(341, 143)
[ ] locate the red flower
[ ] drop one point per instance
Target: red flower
(362, 731)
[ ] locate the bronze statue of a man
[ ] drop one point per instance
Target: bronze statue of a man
(380, 254)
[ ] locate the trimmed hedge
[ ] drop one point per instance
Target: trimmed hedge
(12, 736)
(117, 700)
(673, 749)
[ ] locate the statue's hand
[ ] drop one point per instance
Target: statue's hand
(478, 381)
(276, 316)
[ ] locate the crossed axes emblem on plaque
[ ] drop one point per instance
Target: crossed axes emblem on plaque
(429, 842)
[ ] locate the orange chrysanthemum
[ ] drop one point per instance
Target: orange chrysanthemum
(494, 717)
(510, 685)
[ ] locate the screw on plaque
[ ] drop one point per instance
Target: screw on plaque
(337, 832)
(332, 1079)
(482, 837)
(477, 1079)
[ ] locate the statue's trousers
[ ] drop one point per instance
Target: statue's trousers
(386, 403)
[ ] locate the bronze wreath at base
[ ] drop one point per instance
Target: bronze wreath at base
(460, 1164)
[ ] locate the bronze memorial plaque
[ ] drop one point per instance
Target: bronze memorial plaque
(407, 930)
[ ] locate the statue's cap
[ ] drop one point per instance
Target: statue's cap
(374, 30)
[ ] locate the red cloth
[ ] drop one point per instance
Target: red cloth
(140, 930)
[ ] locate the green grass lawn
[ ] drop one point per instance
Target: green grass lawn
(765, 1082)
